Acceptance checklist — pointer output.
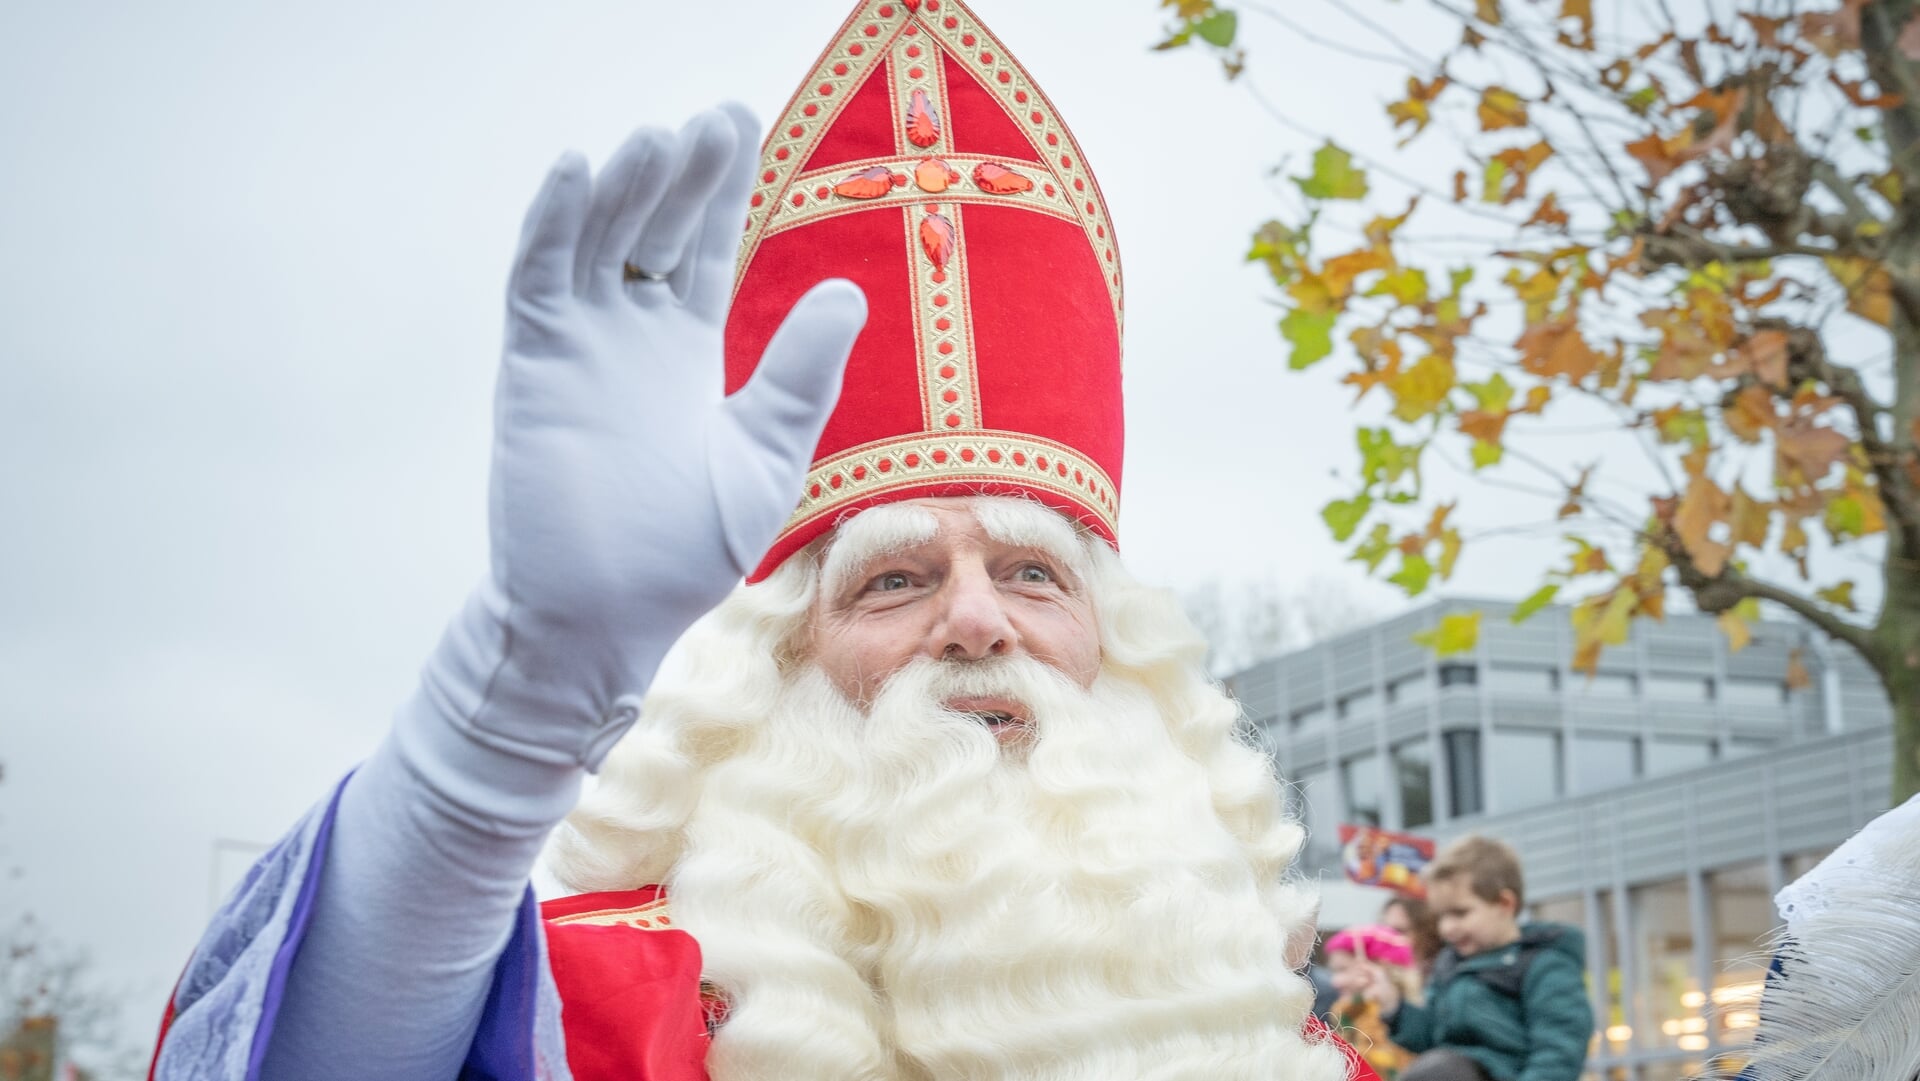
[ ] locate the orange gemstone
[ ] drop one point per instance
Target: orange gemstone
(869, 183)
(934, 175)
(937, 239)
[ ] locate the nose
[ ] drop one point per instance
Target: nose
(974, 623)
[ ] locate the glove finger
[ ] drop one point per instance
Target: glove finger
(624, 194)
(543, 266)
(760, 455)
(660, 243)
(710, 265)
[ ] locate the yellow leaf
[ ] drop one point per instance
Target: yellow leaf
(1501, 108)
(1458, 632)
(1869, 288)
(1421, 388)
(1798, 678)
(1739, 635)
(1748, 519)
(1487, 11)
(1840, 596)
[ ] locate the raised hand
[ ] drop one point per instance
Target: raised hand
(628, 493)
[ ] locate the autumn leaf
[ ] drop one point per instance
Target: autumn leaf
(1487, 11)
(1457, 632)
(1748, 519)
(1334, 176)
(1310, 334)
(1805, 453)
(1869, 288)
(1501, 108)
(1534, 602)
(1188, 9)
(1739, 634)
(1419, 390)
(1840, 596)
(1416, 107)
(1548, 214)
(1797, 678)
(1218, 27)
(1343, 516)
(1587, 559)
(1483, 453)
(1750, 414)
(1600, 621)
(1703, 506)
(1581, 12)
(1556, 348)
(1765, 355)
(1414, 574)
(1341, 270)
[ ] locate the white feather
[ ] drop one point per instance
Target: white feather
(1846, 1004)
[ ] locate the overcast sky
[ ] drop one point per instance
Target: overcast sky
(250, 283)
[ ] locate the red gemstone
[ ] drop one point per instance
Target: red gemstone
(916, 73)
(999, 180)
(950, 22)
(835, 481)
(822, 192)
(1052, 139)
(940, 300)
(1077, 478)
(826, 89)
(871, 31)
(1061, 468)
(859, 472)
(923, 121)
(814, 491)
(757, 199)
(869, 183)
(986, 58)
(1020, 96)
(1079, 184)
(1036, 117)
(953, 421)
(886, 11)
(783, 153)
(799, 199)
(967, 40)
(946, 348)
(937, 239)
(943, 323)
(933, 6)
(1066, 162)
(811, 109)
(856, 49)
(913, 52)
(885, 465)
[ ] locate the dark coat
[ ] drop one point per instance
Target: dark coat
(1520, 1011)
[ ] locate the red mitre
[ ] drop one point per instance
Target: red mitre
(921, 161)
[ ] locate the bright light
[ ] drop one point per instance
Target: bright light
(1693, 1043)
(1681, 1025)
(1736, 994)
(1693, 1000)
(1619, 1033)
(1742, 1019)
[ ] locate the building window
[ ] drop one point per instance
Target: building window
(1740, 691)
(1361, 777)
(1678, 688)
(1357, 702)
(1601, 762)
(1524, 768)
(1662, 929)
(1671, 755)
(1606, 685)
(1464, 793)
(1458, 675)
(1510, 679)
(1743, 921)
(1407, 689)
(1303, 722)
(1413, 769)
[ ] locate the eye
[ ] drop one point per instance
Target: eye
(1033, 573)
(889, 582)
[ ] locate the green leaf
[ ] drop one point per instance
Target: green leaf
(1458, 632)
(1334, 176)
(1311, 336)
(1375, 548)
(1382, 461)
(1845, 517)
(1175, 41)
(1408, 285)
(1535, 601)
(1485, 454)
(1218, 28)
(1494, 395)
(1414, 574)
(1343, 516)
(1840, 596)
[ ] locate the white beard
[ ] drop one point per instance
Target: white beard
(894, 895)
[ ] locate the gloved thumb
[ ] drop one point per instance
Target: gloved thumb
(773, 423)
(786, 402)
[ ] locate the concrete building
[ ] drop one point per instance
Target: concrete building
(1658, 805)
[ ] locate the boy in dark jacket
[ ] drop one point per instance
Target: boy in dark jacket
(1506, 1002)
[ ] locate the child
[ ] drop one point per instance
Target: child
(1351, 954)
(1506, 1002)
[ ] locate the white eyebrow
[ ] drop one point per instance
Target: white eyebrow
(873, 533)
(1026, 524)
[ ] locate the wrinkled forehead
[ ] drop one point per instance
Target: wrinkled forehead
(897, 527)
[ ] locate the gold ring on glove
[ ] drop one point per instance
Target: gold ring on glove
(629, 272)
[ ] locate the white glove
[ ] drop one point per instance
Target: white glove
(629, 494)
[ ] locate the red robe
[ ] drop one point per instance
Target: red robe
(635, 1006)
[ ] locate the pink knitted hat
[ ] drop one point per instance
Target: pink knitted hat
(1375, 942)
